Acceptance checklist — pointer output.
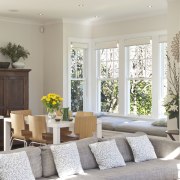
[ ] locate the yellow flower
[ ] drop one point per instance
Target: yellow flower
(54, 103)
(48, 99)
(43, 98)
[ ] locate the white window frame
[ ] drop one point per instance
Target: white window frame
(85, 70)
(99, 79)
(136, 78)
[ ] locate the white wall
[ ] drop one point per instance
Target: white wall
(53, 59)
(133, 26)
(27, 34)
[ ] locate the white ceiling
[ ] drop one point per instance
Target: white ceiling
(81, 10)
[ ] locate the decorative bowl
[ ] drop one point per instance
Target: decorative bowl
(4, 65)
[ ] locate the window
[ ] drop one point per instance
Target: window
(163, 58)
(140, 79)
(77, 76)
(108, 73)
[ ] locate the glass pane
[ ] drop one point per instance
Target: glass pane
(116, 69)
(140, 97)
(73, 63)
(137, 68)
(110, 69)
(103, 70)
(116, 54)
(109, 96)
(77, 60)
(149, 68)
(76, 95)
(140, 61)
(102, 55)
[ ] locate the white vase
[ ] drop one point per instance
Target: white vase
(18, 65)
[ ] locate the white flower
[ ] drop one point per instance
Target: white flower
(168, 98)
(173, 108)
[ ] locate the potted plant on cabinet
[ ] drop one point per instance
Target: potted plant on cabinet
(15, 52)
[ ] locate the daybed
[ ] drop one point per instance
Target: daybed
(126, 125)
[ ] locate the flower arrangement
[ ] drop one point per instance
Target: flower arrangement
(52, 102)
(171, 101)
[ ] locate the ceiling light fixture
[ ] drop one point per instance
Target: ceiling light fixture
(41, 14)
(81, 4)
(150, 6)
(13, 10)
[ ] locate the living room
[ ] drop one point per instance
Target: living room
(50, 31)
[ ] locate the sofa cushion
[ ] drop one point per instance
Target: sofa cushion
(67, 160)
(107, 154)
(147, 170)
(87, 158)
(48, 165)
(34, 155)
(15, 166)
(123, 147)
(165, 147)
(142, 148)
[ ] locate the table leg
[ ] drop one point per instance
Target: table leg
(56, 135)
(99, 130)
(171, 136)
(7, 138)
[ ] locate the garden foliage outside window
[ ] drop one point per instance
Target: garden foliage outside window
(140, 79)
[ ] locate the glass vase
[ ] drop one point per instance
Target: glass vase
(51, 114)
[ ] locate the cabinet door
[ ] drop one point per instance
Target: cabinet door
(2, 98)
(16, 93)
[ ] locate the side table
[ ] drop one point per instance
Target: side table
(171, 133)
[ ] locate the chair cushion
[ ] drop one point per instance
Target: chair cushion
(34, 155)
(15, 166)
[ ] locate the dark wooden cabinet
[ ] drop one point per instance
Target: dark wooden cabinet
(14, 90)
(14, 93)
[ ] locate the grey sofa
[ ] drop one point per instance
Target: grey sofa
(43, 166)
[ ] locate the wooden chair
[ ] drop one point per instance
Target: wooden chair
(84, 126)
(18, 126)
(25, 113)
(82, 113)
(38, 129)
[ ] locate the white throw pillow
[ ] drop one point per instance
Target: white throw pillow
(107, 154)
(142, 148)
(15, 166)
(67, 160)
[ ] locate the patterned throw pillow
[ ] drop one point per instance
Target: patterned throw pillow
(67, 160)
(15, 166)
(107, 154)
(142, 148)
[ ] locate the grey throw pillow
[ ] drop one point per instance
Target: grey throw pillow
(107, 154)
(15, 166)
(67, 160)
(142, 148)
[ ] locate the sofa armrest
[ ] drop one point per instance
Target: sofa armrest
(166, 148)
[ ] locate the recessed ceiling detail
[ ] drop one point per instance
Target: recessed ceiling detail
(80, 10)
